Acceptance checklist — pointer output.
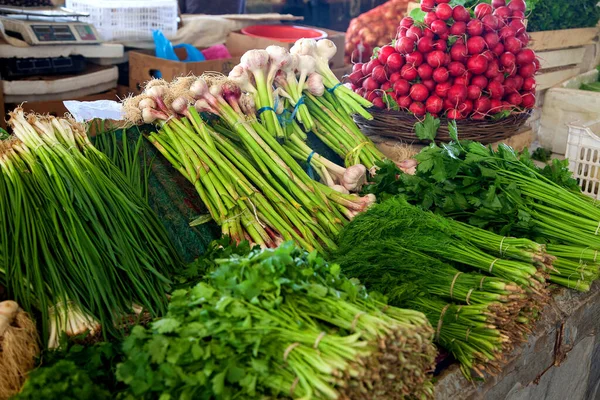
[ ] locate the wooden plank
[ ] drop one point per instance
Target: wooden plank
(548, 79)
(562, 39)
(562, 57)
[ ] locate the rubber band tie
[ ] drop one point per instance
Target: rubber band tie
(452, 285)
(440, 323)
(355, 321)
(501, 243)
(331, 90)
(469, 296)
(289, 349)
(481, 283)
(355, 150)
(492, 265)
(319, 338)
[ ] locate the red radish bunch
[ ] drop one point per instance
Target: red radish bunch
(455, 63)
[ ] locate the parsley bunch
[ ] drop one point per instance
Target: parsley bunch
(279, 323)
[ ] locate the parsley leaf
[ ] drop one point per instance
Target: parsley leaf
(427, 129)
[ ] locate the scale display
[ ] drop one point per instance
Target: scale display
(53, 33)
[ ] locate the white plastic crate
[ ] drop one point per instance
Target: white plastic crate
(128, 20)
(583, 152)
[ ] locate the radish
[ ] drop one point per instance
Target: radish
(475, 45)
(372, 95)
(507, 32)
(395, 77)
(524, 39)
(502, 13)
(408, 72)
(506, 106)
(478, 117)
(448, 105)
(442, 89)
(370, 84)
(454, 114)
(404, 101)
(515, 99)
(436, 58)
(407, 22)
(427, 32)
(415, 58)
(427, 5)
(537, 64)
(495, 106)
(405, 45)
(441, 75)
(401, 87)
(414, 33)
(429, 84)
(510, 86)
(465, 108)
(378, 102)
(460, 13)
(395, 62)
(419, 92)
(518, 15)
(458, 28)
(520, 81)
(525, 56)
(475, 27)
(442, 1)
(401, 32)
(508, 60)
(518, 26)
(357, 67)
(439, 27)
(418, 108)
(360, 91)
(459, 53)
(498, 50)
(498, 3)
(386, 86)
(483, 9)
(384, 53)
(425, 71)
(512, 44)
(473, 92)
(457, 94)
(367, 68)
(529, 84)
(491, 39)
(443, 11)
(425, 44)
(493, 70)
(456, 68)
(489, 55)
(528, 100)
(482, 105)
(517, 5)
(379, 74)
(490, 23)
(434, 104)
(356, 77)
(496, 90)
(499, 78)
(462, 80)
(441, 45)
(480, 81)
(477, 64)
(430, 17)
(527, 70)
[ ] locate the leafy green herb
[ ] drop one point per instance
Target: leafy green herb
(427, 129)
(390, 102)
(418, 15)
(541, 154)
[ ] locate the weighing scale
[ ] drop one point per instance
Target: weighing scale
(47, 26)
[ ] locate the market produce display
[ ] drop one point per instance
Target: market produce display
(482, 310)
(78, 245)
(373, 28)
(507, 194)
(302, 330)
(447, 61)
(253, 186)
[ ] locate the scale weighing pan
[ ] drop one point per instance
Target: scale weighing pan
(47, 26)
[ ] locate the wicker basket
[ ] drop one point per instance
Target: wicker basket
(400, 125)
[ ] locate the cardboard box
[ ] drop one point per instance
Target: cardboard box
(143, 65)
(239, 43)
